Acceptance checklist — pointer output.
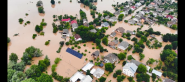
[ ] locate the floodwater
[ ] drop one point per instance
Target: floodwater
(69, 64)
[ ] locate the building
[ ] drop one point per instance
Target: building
(93, 30)
(129, 69)
(88, 66)
(153, 36)
(157, 73)
(113, 34)
(86, 24)
(77, 37)
(85, 20)
(95, 54)
(136, 62)
(80, 78)
(110, 58)
(74, 26)
(73, 21)
(97, 72)
(120, 30)
(131, 32)
(133, 8)
(66, 20)
(169, 17)
(138, 4)
(105, 24)
(167, 80)
(113, 43)
(65, 32)
(123, 45)
(169, 23)
(131, 21)
(113, 19)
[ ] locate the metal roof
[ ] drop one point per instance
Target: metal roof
(88, 66)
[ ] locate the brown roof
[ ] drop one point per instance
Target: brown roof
(112, 44)
(77, 36)
(121, 29)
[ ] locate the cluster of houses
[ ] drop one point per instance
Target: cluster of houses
(157, 11)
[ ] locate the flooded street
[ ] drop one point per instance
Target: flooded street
(69, 64)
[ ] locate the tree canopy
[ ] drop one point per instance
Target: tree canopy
(13, 57)
(141, 68)
(109, 67)
(121, 56)
(45, 78)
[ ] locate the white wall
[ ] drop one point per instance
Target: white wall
(78, 39)
(128, 72)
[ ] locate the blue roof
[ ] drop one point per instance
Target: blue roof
(73, 52)
(101, 64)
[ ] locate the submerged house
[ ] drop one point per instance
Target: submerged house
(93, 30)
(79, 77)
(110, 58)
(105, 24)
(77, 37)
(137, 63)
(113, 19)
(88, 66)
(65, 32)
(97, 72)
(74, 26)
(66, 20)
(113, 43)
(157, 73)
(131, 32)
(167, 80)
(123, 45)
(120, 30)
(131, 21)
(129, 69)
(113, 34)
(95, 54)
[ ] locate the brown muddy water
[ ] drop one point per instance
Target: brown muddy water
(69, 64)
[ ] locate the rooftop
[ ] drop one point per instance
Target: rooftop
(136, 62)
(88, 66)
(98, 73)
(76, 76)
(131, 66)
(157, 72)
(77, 36)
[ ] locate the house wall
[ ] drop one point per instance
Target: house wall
(128, 72)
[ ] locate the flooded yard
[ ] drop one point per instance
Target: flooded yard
(69, 64)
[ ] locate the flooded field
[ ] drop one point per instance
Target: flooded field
(69, 64)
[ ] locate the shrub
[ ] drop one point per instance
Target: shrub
(53, 67)
(26, 14)
(20, 20)
(58, 51)
(118, 72)
(84, 45)
(114, 75)
(61, 43)
(38, 28)
(93, 48)
(79, 47)
(75, 45)
(72, 47)
(42, 33)
(150, 70)
(54, 16)
(67, 43)
(141, 56)
(47, 42)
(34, 35)
(128, 38)
(41, 9)
(43, 23)
(28, 22)
(57, 60)
(55, 29)
(130, 57)
(164, 74)
(130, 79)
(85, 50)
(124, 63)
(8, 40)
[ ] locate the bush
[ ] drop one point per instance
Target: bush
(43, 23)
(13, 57)
(34, 35)
(42, 33)
(124, 63)
(84, 45)
(79, 47)
(122, 56)
(126, 21)
(85, 50)
(47, 42)
(55, 29)
(130, 79)
(93, 48)
(41, 9)
(67, 43)
(75, 45)
(61, 43)
(72, 47)
(118, 72)
(130, 57)
(53, 67)
(57, 60)
(58, 51)
(141, 56)
(8, 40)
(174, 45)
(54, 16)
(52, 2)
(28, 22)
(38, 28)
(20, 20)
(114, 75)
(128, 38)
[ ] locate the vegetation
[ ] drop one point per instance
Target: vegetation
(141, 68)
(38, 28)
(8, 40)
(126, 21)
(105, 41)
(108, 67)
(57, 60)
(58, 51)
(130, 79)
(20, 20)
(130, 57)
(45, 78)
(124, 63)
(52, 2)
(120, 78)
(47, 42)
(122, 56)
(120, 17)
(153, 77)
(13, 57)
(42, 33)
(174, 45)
(41, 9)
(34, 35)
(102, 79)
(150, 61)
(143, 77)
(142, 56)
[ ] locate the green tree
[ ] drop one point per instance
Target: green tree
(13, 57)
(119, 78)
(10, 74)
(168, 47)
(45, 78)
(120, 40)
(105, 40)
(130, 79)
(130, 11)
(147, 3)
(130, 57)
(165, 38)
(102, 79)
(120, 17)
(57, 60)
(174, 26)
(121, 56)
(52, 2)
(114, 75)
(41, 9)
(141, 56)
(18, 76)
(19, 66)
(144, 38)
(88, 72)
(169, 60)
(141, 68)
(109, 67)
(118, 72)
(153, 77)
(150, 31)
(116, 38)
(150, 61)
(8, 40)
(28, 80)
(124, 63)
(174, 44)
(166, 53)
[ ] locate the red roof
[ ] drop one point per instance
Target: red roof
(152, 3)
(77, 36)
(133, 7)
(74, 21)
(66, 19)
(169, 16)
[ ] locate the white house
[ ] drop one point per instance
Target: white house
(88, 66)
(87, 78)
(138, 4)
(136, 20)
(74, 26)
(123, 45)
(65, 32)
(77, 76)
(104, 24)
(77, 37)
(157, 73)
(97, 72)
(129, 69)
